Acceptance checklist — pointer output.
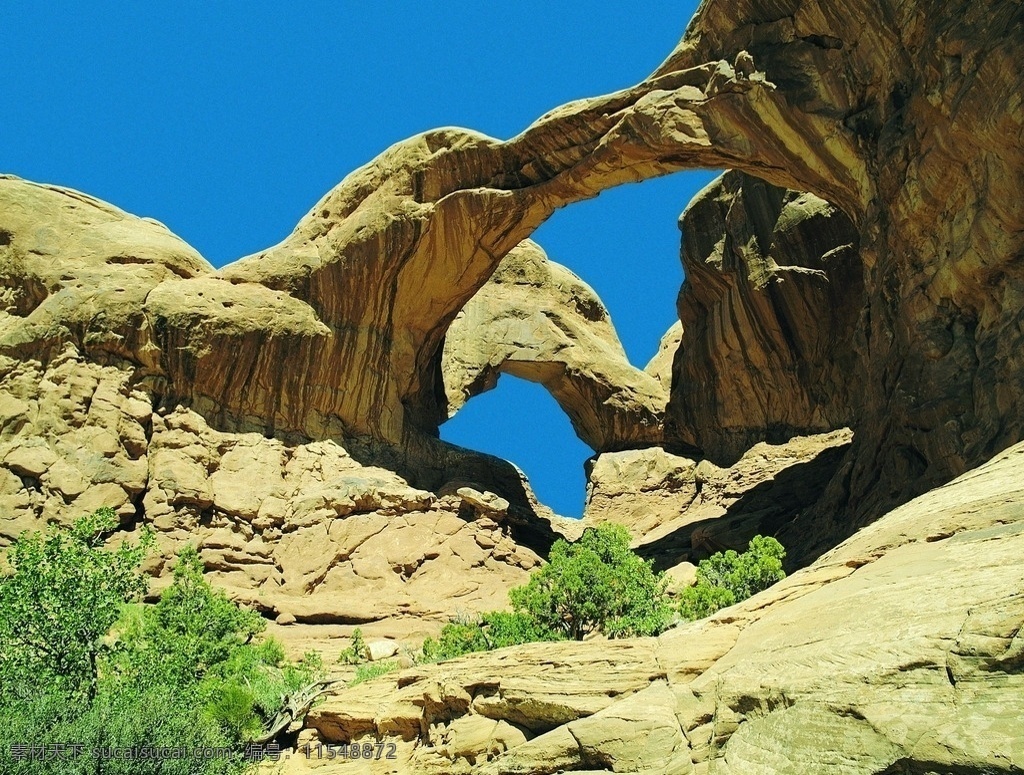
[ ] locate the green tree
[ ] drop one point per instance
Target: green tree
(357, 651)
(503, 628)
(191, 629)
(60, 601)
(493, 630)
(81, 662)
(726, 577)
(198, 641)
(596, 584)
(456, 638)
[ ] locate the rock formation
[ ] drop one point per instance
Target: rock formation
(899, 651)
(282, 412)
(536, 320)
(899, 132)
(681, 510)
(296, 527)
(770, 307)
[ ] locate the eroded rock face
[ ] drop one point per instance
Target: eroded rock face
(297, 527)
(75, 271)
(771, 307)
(899, 651)
(680, 510)
(920, 89)
(301, 531)
(888, 648)
(419, 231)
(536, 320)
(889, 112)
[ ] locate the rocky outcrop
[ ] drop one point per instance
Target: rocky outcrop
(680, 510)
(75, 272)
(889, 112)
(660, 366)
(771, 305)
(296, 527)
(283, 411)
(301, 531)
(536, 320)
(899, 651)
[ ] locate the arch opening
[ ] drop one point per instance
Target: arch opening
(625, 246)
(519, 421)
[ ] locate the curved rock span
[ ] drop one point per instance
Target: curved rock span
(536, 320)
(887, 111)
(283, 411)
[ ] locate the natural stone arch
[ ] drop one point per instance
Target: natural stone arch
(389, 256)
(536, 320)
(885, 109)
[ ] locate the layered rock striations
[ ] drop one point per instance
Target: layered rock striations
(771, 309)
(920, 90)
(899, 651)
(420, 230)
(891, 113)
(282, 412)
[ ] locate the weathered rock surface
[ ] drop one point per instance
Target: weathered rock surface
(536, 320)
(681, 510)
(899, 651)
(282, 412)
(891, 113)
(660, 366)
(770, 307)
(302, 531)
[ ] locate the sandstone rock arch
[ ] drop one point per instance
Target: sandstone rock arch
(890, 111)
(386, 259)
(536, 320)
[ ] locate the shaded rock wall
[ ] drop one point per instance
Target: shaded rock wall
(681, 510)
(920, 89)
(770, 310)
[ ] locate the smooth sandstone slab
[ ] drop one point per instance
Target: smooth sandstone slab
(901, 648)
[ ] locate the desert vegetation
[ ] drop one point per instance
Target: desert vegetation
(726, 578)
(86, 667)
(599, 585)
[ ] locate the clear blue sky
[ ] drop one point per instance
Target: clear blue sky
(228, 120)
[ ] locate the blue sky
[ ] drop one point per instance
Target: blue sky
(227, 121)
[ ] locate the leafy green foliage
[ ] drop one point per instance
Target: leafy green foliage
(357, 651)
(193, 627)
(373, 670)
(456, 639)
(154, 717)
(60, 602)
(502, 629)
(493, 630)
(198, 641)
(81, 662)
(726, 578)
(596, 584)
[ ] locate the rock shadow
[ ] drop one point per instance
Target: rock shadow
(766, 509)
